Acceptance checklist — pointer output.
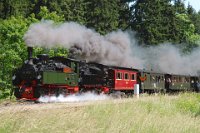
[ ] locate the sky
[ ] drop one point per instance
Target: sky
(195, 4)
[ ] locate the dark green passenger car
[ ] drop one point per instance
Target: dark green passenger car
(151, 82)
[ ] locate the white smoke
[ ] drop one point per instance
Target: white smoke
(168, 58)
(116, 48)
(74, 98)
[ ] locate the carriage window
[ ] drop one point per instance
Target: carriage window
(158, 78)
(152, 78)
(187, 79)
(174, 79)
(126, 76)
(133, 77)
(180, 79)
(119, 75)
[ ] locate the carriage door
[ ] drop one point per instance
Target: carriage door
(168, 81)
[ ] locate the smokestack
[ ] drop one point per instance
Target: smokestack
(30, 51)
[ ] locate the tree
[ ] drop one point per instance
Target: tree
(45, 14)
(162, 21)
(102, 15)
(12, 52)
(13, 49)
(179, 6)
(187, 31)
(10, 8)
(125, 18)
(194, 17)
(151, 20)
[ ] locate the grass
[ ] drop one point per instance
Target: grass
(150, 114)
(8, 100)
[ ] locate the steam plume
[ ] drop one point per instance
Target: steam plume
(116, 48)
(74, 98)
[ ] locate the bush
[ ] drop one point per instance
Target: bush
(4, 89)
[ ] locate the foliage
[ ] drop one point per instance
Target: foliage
(13, 49)
(161, 21)
(195, 19)
(186, 32)
(58, 51)
(3, 91)
(149, 18)
(45, 14)
(10, 8)
(103, 15)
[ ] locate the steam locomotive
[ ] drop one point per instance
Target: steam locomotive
(44, 75)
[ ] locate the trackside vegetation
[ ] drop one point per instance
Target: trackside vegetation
(157, 114)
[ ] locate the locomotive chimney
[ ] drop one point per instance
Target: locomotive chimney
(30, 51)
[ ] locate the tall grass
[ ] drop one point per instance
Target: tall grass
(189, 103)
(148, 114)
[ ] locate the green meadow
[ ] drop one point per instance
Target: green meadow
(147, 114)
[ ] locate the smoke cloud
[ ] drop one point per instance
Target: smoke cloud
(113, 48)
(168, 58)
(116, 48)
(74, 98)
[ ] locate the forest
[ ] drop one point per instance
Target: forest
(154, 22)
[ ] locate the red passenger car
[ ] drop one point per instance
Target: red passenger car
(123, 79)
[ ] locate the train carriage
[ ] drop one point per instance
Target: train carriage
(195, 83)
(181, 83)
(151, 82)
(123, 79)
